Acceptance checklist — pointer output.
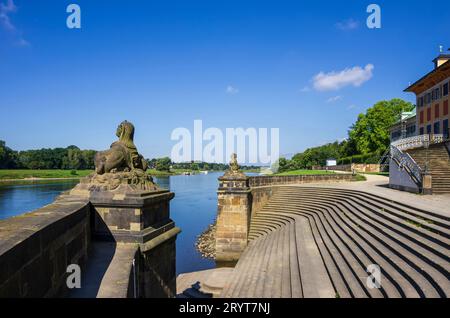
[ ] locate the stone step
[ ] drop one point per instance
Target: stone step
(294, 266)
(349, 265)
(274, 275)
(253, 273)
(263, 280)
(315, 279)
(245, 267)
(363, 260)
(402, 206)
(402, 262)
(342, 290)
(317, 242)
(428, 239)
(428, 231)
(430, 222)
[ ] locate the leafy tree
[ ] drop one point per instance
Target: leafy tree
(58, 158)
(283, 165)
(163, 164)
(7, 156)
(370, 133)
(74, 159)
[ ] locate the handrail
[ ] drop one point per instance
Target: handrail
(406, 162)
(418, 141)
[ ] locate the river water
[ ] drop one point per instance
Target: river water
(193, 209)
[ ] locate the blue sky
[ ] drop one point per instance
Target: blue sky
(306, 67)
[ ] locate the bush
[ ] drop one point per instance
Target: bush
(366, 158)
(73, 172)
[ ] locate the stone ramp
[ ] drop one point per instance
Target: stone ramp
(109, 272)
(318, 242)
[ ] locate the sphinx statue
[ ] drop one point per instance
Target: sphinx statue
(122, 155)
(120, 168)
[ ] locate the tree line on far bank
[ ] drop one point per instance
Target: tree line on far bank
(73, 158)
(166, 164)
(69, 158)
(367, 141)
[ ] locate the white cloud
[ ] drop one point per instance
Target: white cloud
(354, 76)
(232, 90)
(351, 106)
(5, 10)
(334, 99)
(347, 25)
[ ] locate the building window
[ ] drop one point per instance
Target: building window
(421, 131)
(428, 98)
(436, 111)
(445, 108)
(411, 130)
(421, 117)
(395, 135)
(429, 114)
(428, 129)
(445, 89)
(445, 128)
(437, 128)
(420, 101)
(436, 94)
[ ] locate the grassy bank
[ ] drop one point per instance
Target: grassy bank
(304, 172)
(24, 174)
(13, 174)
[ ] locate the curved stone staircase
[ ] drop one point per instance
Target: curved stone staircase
(438, 165)
(318, 242)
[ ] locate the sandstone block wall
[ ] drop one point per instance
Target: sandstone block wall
(37, 247)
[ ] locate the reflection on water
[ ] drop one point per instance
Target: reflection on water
(193, 209)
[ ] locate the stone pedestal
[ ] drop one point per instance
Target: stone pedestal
(137, 215)
(234, 208)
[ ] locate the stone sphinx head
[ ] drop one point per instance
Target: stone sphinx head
(125, 131)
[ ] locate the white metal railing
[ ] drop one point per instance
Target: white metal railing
(418, 141)
(406, 162)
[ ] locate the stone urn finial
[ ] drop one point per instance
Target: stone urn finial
(234, 169)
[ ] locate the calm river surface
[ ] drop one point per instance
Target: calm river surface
(193, 209)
